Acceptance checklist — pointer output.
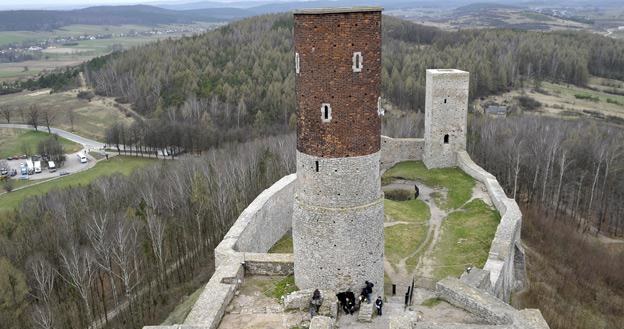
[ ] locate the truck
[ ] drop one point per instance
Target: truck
(37, 167)
(51, 166)
(30, 166)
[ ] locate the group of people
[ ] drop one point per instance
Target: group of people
(347, 300)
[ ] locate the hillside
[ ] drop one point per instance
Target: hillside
(45, 20)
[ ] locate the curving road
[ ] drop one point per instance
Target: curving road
(87, 143)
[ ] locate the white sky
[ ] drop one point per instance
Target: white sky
(64, 4)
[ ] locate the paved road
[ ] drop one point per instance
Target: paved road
(87, 143)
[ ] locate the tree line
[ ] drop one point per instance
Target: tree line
(69, 257)
(242, 75)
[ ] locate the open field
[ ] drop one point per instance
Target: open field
(91, 119)
(78, 51)
(571, 101)
(18, 142)
(117, 165)
(495, 17)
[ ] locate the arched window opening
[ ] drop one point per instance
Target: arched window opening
(317, 166)
(326, 115)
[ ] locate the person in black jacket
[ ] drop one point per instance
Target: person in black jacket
(379, 305)
(368, 291)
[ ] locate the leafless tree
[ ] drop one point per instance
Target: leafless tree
(71, 117)
(48, 118)
(78, 266)
(6, 113)
(34, 116)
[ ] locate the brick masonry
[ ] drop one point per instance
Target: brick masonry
(326, 42)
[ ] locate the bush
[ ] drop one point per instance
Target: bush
(587, 97)
(399, 195)
(528, 104)
(87, 95)
(613, 101)
(7, 184)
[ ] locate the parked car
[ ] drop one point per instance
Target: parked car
(9, 158)
(83, 158)
(4, 172)
(37, 167)
(64, 173)
(51, 166)
(13, 172)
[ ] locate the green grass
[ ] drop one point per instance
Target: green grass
(18, 142)
(431, 302)
(401, 240)
(119, 164)
(178, 315)
(281, 288)
(283, 246)
(465, 239)
(407, 211)
(458, 184)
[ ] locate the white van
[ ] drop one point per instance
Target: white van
(37, 167)
(51, 166)
(83, 158)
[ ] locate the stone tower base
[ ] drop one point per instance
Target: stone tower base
(339, 248)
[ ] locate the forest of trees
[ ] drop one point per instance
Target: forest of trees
(242, 75)
(68, 257)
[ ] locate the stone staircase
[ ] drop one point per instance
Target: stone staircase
(366, 312)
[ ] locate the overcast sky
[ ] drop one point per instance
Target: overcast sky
(65, 4)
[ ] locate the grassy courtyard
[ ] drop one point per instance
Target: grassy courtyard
(457, 183)
(117, 165)
(465, 239)
(19, 141)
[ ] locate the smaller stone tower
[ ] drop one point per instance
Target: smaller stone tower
(446, 113)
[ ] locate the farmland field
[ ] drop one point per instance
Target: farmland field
(76, 52)
(602, 99)
(91, 119)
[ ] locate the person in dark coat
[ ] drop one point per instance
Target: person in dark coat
(315, 303)
(379, 305)
(368, 291)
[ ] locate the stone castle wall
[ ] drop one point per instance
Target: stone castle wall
(243, 249)
(395, 150)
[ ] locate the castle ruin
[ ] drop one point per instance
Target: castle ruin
(334, 204)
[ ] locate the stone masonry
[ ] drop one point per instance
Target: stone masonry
(338, 208)
(446, 112)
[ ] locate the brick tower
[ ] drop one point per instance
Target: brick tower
(446, 112)
(338, 211)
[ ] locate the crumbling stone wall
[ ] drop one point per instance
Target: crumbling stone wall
(395, 150)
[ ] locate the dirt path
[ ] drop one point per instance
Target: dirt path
(400, 273)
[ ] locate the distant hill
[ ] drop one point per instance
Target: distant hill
(41, 20)
(483, 6)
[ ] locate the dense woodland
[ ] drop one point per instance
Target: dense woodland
(242, 75)
(70, 256)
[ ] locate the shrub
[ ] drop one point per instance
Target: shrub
(527, 103)
(587, 97)
(8, 184)
(399, 195)
(86, 95)
(613, 101)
